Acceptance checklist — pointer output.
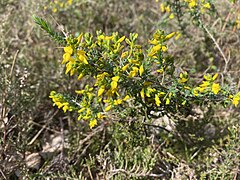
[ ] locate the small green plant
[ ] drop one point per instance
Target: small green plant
(123, 75)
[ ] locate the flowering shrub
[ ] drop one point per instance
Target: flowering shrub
(178, 9)
(195, 11)
(57, 5)
(122, 74)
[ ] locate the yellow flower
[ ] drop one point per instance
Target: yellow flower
(207, 77)
(235, 101)
(141, 70)
(192, 3)
(156, 48)
(82, 57)
(178, 35)
(58, 104)
(160, 70)
(101, 90)
(100, 77)
(183, 80)
(117, 102)
(153, 42)
(169, 36)
(121, 39)
(207, 5)
(161, 94)
(69, 2)
(184, 102)
(69, 67)
(108, 38)
(171, 16)
(88, 112)
(204, 84)
(133, 72)
(157, 100)
(126, 98)
(124, 54)
(149, 91)
(124, 68)
(81, 110)
(183, 77)
(54, 10)
(237, 22)
(167, 101)
(116, 78)
(68, 49)
(100, 116)
(167, 9)
(215, 88)
(133, 61)
(66, 58)
(196, 91)
(187, 87)
(65, 107)
(215, 77)
(114, 82)
(80, 76)
(162, 7)
(201, 89)
(79, 117)
(142, 93)
(52, 94)
(108, 108)
(79, 38)
(164, 48)
(93, 123)
(80, 91)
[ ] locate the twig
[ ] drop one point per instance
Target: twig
(43, 127)
(52, 130)
(217, 45)
(13, 64)
(97, 130)
(156, 126)
(3, 174)
(89, 171)
(62, 138)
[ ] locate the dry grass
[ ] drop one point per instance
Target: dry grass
(38, 141)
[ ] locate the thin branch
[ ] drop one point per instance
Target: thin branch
(13, 64)
(217, 45)
(157, 126)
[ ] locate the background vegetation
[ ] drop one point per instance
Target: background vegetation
(38, 141)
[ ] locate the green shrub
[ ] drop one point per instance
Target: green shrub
(120, 72)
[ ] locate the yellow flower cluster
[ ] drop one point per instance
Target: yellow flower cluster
(186, 5)
(235, 99)
(58, 5)
(80, 58)
(208, 85)
(60, 101)
(166, 9)
(183, 77)
(120, 73)
(99, 58)
(194, 3)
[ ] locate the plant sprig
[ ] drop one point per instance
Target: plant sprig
(46, 27)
